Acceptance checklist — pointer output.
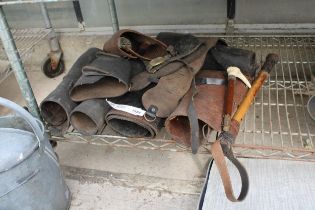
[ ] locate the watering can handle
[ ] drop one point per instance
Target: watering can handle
(36, 125)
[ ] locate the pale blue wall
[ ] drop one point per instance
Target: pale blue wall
(165, 12)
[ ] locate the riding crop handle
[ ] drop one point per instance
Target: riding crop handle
(230, 95)
(271, 61)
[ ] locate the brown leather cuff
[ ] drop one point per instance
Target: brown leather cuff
(132, 44)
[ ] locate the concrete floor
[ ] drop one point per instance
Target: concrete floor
(102, 177)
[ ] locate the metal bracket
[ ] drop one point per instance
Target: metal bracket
(78, 14)
(229, 27)
(230, 14)
(113, 15)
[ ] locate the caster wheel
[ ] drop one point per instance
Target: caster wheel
(49, 72)
(53, 143)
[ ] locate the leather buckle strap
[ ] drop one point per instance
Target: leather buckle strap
(159, 60)
(219, 150)
(171, 57)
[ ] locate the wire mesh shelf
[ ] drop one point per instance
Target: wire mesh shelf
(25, 40)
(277, 124)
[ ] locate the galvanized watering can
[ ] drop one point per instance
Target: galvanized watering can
(30, 177)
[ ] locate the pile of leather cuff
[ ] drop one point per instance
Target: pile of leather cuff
(137, 84)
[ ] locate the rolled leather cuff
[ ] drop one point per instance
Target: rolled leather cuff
(107, 76)
(57, 106)
(131, 125)
(88, 118)
(132, 44)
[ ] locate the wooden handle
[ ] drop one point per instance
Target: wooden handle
(229, 99)
(242, 109)
(270, 62)
(230, 96)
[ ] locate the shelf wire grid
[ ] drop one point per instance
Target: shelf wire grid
(276, 126)
(25, 40)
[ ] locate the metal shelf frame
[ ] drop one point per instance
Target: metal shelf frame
(14, 54)
(25, 40)
(276, 126)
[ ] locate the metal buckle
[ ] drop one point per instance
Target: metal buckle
(152, 110)
(155, 62)
(147, 118)
(159, 60)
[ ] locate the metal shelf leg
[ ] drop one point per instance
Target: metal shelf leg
(56, 52)
(17, 66)
(113, 15)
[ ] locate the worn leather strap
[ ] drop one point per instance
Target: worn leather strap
(219, 150)
(193, 120)
(193, 60)
(131, 125)
(191, 112)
